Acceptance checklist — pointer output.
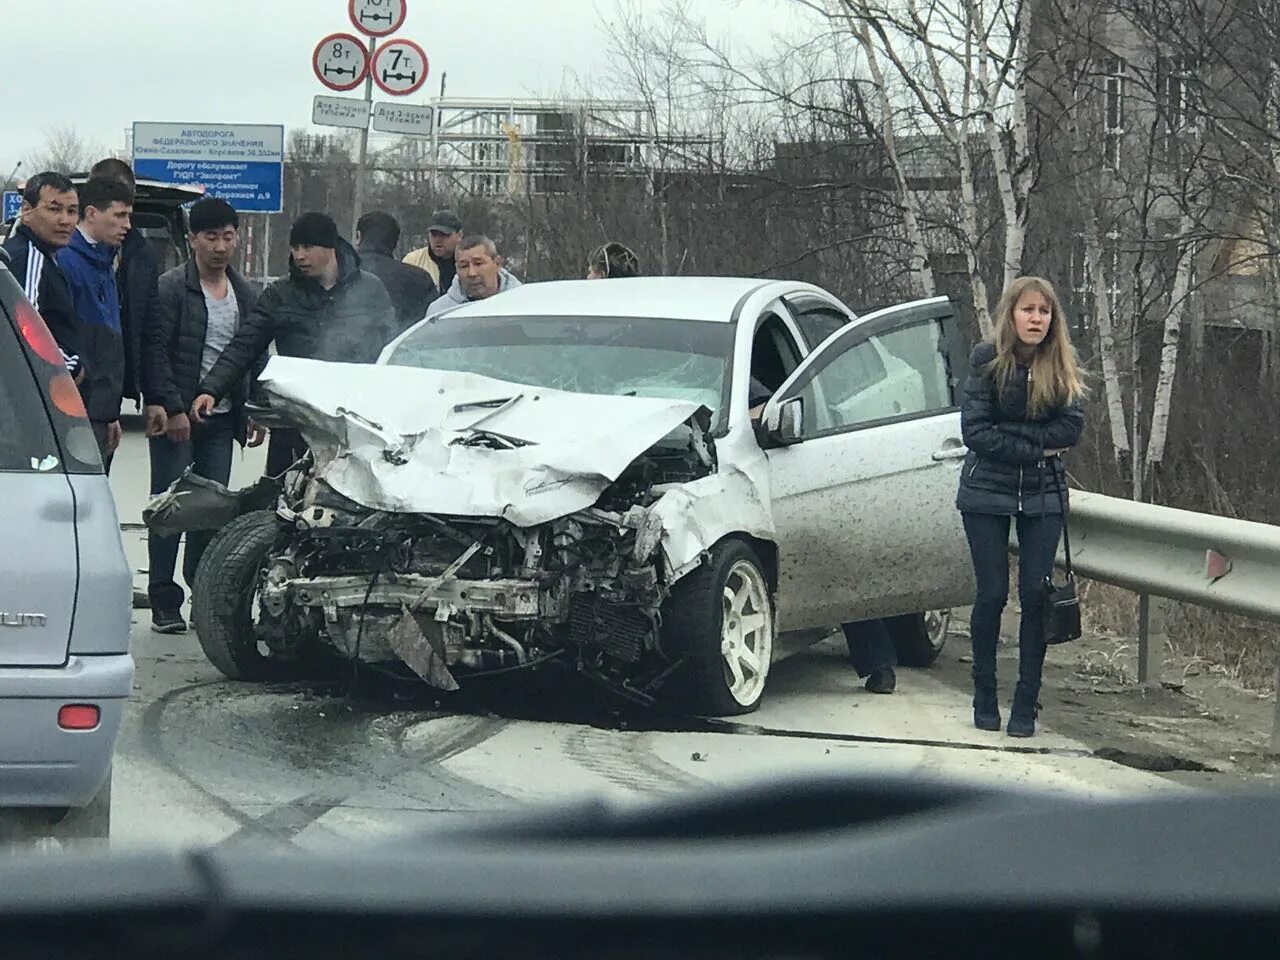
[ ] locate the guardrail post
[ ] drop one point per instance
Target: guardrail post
(1151, 639)
(1275, 724)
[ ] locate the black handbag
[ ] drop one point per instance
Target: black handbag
(1061, 604)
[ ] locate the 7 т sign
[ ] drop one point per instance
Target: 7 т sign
(378, 18)
(341, 61)
(400, 67)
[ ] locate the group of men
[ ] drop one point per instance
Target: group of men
(186, 347)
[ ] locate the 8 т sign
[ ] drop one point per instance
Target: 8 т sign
(378, 18)
(400, 67)
(341, 61)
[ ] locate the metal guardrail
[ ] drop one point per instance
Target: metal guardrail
(1156, 551)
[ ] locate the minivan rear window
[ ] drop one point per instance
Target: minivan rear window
(27, 441)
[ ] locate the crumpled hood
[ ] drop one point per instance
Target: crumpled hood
(404, 440)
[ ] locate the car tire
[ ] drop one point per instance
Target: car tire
(919, 637)
(720, 617)
(222, 597)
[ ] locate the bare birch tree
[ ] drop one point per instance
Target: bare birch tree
(964, 64)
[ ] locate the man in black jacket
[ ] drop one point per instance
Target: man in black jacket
(411, 288)
(50, 212)
(326, 309)
(201, 306)
(137, 277)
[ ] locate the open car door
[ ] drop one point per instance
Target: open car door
(864, 454)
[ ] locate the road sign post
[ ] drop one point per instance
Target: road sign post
(362, 160)
(341, 61)
(12, 205)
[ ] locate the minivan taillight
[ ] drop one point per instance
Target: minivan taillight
(37, 335)
(61, 388)
(62, 397)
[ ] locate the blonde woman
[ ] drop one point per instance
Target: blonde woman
(1022, 409)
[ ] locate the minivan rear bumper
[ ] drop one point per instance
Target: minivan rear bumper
(42, 765)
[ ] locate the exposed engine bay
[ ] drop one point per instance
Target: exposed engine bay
(444, 594)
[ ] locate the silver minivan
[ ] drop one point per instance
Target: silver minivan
(65, 587)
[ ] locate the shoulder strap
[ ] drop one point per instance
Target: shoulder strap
(1062, 501)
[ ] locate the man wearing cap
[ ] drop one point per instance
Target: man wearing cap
(326, 309)
(438, 256)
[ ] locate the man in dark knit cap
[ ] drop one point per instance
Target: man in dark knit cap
(326, 309)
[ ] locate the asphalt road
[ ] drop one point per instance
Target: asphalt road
(206, 761)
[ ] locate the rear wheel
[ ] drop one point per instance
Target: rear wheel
(224, 605)
(919, 637)
(721, 618)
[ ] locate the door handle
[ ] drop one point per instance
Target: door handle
(951, 453)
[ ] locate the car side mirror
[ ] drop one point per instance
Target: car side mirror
(783, 423)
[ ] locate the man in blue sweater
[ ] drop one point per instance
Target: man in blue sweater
(89, 264)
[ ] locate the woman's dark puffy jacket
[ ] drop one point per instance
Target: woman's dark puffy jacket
(1006, 471)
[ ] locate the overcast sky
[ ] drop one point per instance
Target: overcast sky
(225, 62)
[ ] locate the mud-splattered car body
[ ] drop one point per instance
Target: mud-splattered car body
(571, 471)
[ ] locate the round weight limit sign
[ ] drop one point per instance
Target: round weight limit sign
(400, 67)
(378, 18)
(341, 61)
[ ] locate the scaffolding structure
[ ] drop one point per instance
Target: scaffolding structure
(522, 147)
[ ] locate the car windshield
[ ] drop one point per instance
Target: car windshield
(619, 356)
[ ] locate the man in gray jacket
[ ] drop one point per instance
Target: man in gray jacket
(480, 275)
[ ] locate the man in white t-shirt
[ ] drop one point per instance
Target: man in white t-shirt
(201, 306)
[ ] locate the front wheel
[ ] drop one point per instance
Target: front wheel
(721, 618)
(224, 594)
(919, 637)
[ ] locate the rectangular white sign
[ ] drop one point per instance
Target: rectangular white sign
(407, 118)
(340, 112)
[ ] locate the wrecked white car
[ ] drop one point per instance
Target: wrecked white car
(571, 471)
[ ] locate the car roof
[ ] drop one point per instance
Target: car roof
(157, 192)
(674, 298)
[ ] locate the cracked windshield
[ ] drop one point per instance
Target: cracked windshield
(417, 417)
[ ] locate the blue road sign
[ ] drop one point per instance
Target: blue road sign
(242, 163)
(12, 205)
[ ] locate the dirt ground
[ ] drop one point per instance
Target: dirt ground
(1195, 726)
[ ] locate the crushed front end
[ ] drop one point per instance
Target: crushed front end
(449, 595)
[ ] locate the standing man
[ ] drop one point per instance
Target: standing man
(411, 288)
(137, 276)
(480, 275)
(88, 263)
(438, 256)
(326, 309)
(873, 653)
(201, 306)
(50, 212)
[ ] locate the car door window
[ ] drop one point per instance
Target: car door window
(774, 352)
(888, 371)
(816, 318)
